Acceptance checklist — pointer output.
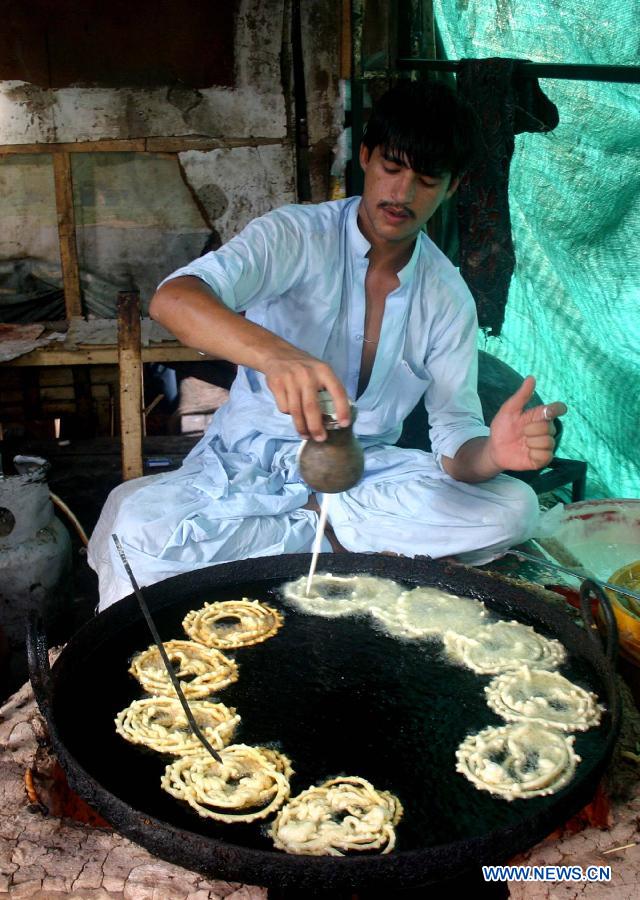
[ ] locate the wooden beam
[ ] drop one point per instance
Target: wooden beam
(180, 144)
(130, 365)
(106, 146)
(67, 234)
(102, 356)
(143, 145)
(196, 142)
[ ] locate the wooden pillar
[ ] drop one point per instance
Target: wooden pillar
(130, 366)
(67, 233)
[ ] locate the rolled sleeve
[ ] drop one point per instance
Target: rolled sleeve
(263, 261)
(451, 399)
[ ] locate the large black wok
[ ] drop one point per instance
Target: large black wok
(339, 697)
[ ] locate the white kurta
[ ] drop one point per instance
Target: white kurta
(299, 272)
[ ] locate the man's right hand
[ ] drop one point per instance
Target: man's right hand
(294, 379)
(190, 310)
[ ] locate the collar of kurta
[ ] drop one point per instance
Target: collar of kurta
(360, 246)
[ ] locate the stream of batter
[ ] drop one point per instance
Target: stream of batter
(322, 521)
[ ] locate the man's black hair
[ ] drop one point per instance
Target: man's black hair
(424, 123)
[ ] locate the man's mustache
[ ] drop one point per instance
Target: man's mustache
(384, 204)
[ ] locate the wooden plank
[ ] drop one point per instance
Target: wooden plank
(67, 392)
(102, 146)
(45, 357)
(67, 234)
(130, 366)
(104, 375)
(56, 406)
(142, 145)
(56, 377)
(103, 356)
(197, 142)
(169, 353)
(59, 392)
(181, 144)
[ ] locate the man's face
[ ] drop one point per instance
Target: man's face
(396, 201)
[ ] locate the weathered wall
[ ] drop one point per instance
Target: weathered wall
(321, 37)
(140, 216)
(236, 184)
(30, 114)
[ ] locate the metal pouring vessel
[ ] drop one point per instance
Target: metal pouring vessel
(337, 463)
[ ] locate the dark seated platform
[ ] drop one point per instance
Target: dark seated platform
(496, 382)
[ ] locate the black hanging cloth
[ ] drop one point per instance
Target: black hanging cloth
(506, 104)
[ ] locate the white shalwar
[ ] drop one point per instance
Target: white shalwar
(300, 271)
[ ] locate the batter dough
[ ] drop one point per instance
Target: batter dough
(340, 595)
(340, 815)
(429, 612)
(503, 646)
(547, 698)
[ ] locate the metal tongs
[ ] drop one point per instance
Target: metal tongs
(163, 653)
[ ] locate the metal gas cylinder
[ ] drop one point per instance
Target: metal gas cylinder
(35, 551)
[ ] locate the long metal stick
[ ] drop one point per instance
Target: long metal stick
(163, 653)
(558, 568)
(528, 69)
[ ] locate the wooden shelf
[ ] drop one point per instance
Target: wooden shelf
(128, 355)
(103, 354)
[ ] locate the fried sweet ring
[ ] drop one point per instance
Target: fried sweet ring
(252, 623)
(503, 646)
(340, 815)
(338, 595)
(208, 669)
(248, 785)
(161, 724)
(518, 761)
(547, 698)
(278, 760)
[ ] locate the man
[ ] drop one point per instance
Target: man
(352, 297)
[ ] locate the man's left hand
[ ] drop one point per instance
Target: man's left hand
(522, 438)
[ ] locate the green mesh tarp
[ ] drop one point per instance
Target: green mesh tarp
(573, 313)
